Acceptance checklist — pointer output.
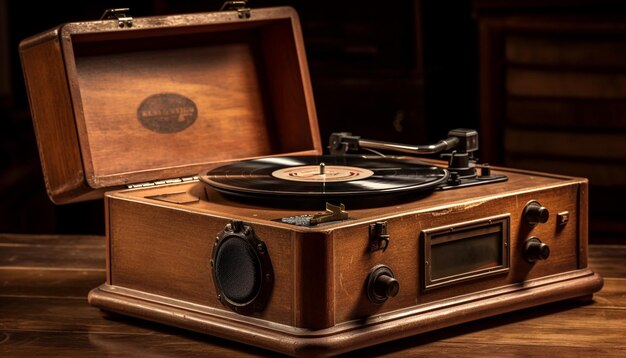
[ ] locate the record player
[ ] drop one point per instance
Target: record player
(227, 215)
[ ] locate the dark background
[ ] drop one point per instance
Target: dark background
(406, 71)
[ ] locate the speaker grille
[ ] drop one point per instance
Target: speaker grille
(238, 270)
(242, 269)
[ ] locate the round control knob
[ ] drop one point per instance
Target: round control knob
(535, 250)
(381, 284)
(535, 213)
(386, 286)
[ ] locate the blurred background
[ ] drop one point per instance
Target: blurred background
(544, 82)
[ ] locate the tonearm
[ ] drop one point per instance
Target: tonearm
(459, 147)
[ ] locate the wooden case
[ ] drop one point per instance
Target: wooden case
(165, 97)
(172, 96)
(162, 241)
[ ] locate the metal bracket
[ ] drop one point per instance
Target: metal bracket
(241, 6)
(332, 213)
(120, 14)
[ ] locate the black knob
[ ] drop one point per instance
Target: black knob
(381, 284)
(535, 213)
(535, 250)
(386, 286)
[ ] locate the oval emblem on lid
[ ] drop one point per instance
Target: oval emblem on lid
(167, 113)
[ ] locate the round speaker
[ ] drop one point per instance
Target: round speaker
(242, 270)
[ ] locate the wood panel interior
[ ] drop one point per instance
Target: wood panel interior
(250, 100)
(49, 103)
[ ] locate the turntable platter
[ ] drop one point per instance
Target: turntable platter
(328, 177)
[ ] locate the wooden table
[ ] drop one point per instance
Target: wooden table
(44, 281)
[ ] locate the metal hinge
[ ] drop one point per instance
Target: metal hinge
(161, 182)
(243, 11)
(120, 14)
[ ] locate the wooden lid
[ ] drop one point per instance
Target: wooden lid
(166, 97)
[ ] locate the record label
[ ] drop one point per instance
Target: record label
(322, 173)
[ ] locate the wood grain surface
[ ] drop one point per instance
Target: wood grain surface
(166, 99)
(44, 281)
(147, 235)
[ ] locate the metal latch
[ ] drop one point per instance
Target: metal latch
(120, 14)
(243, 11)
(379, 238)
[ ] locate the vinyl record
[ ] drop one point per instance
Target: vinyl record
(323, 177)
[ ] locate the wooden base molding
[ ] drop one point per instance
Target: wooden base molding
(351, 335)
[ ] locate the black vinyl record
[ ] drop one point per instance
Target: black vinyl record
(323, 177)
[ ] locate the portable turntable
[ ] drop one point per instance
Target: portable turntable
(261, 237)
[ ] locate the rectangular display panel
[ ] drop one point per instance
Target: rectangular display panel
(465, 251)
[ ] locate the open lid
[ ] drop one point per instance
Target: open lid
(166, 97)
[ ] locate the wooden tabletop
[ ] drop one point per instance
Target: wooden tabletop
(44, 281)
